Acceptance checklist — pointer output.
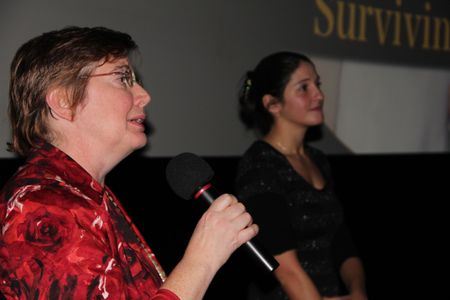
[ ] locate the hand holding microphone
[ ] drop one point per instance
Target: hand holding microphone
(225, 225)
(223, 228)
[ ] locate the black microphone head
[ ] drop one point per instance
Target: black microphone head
(186, 173)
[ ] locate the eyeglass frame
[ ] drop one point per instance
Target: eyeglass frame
(128, 75)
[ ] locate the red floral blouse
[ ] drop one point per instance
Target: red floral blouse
(64, 236)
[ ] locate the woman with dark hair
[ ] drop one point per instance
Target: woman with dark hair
(287, 185)
(76, 111)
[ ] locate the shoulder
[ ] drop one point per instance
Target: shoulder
(259, 170)
(30, 200)
(260, 155)
(33, 203)
(37, 183)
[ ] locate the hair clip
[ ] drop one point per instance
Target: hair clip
(248, 84)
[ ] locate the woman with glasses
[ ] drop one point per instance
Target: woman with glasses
(76, 111)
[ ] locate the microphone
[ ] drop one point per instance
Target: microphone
(189, 177)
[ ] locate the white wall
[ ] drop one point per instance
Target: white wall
(193, 56)
(393, 109)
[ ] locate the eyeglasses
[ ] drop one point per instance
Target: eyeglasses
(127, 77)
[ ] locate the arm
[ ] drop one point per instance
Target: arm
(222, 229)
(349, 264)
(294, 280)
(352, 273)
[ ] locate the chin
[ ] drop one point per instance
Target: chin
(139, 143)
(316, 122)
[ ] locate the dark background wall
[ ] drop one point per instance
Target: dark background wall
(395, 206)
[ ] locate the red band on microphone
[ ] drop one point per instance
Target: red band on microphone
(202, 190)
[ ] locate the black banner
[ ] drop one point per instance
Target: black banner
(395, 31)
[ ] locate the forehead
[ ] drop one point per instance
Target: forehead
(305, 71)
(115, 64)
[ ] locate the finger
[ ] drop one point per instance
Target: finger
(234, 210)
(247, 234)
(222, 202)
(242, 220)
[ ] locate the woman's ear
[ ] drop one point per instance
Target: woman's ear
(271, 103)
(57, 100)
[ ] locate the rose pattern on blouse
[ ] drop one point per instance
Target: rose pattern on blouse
(43, 229)
(64, 236)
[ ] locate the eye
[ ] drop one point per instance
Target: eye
(304, 87)
(126, 78)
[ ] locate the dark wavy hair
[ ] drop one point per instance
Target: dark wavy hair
(60, 58)
(269, 77)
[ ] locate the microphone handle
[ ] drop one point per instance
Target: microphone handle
(209, 193)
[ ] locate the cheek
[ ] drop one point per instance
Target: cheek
(124, 102)
(102, 118)
(106, 107)
(117, 107)
(298, 105)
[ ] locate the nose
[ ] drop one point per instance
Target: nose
(142, 97)
(318, 94)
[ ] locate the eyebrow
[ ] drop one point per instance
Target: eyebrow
(122, 68)
(303, 80)
(309, 79)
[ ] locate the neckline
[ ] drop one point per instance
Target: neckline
(307, 152)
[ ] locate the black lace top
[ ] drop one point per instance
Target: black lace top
(292, 214)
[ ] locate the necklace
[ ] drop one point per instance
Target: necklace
(284, 149)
